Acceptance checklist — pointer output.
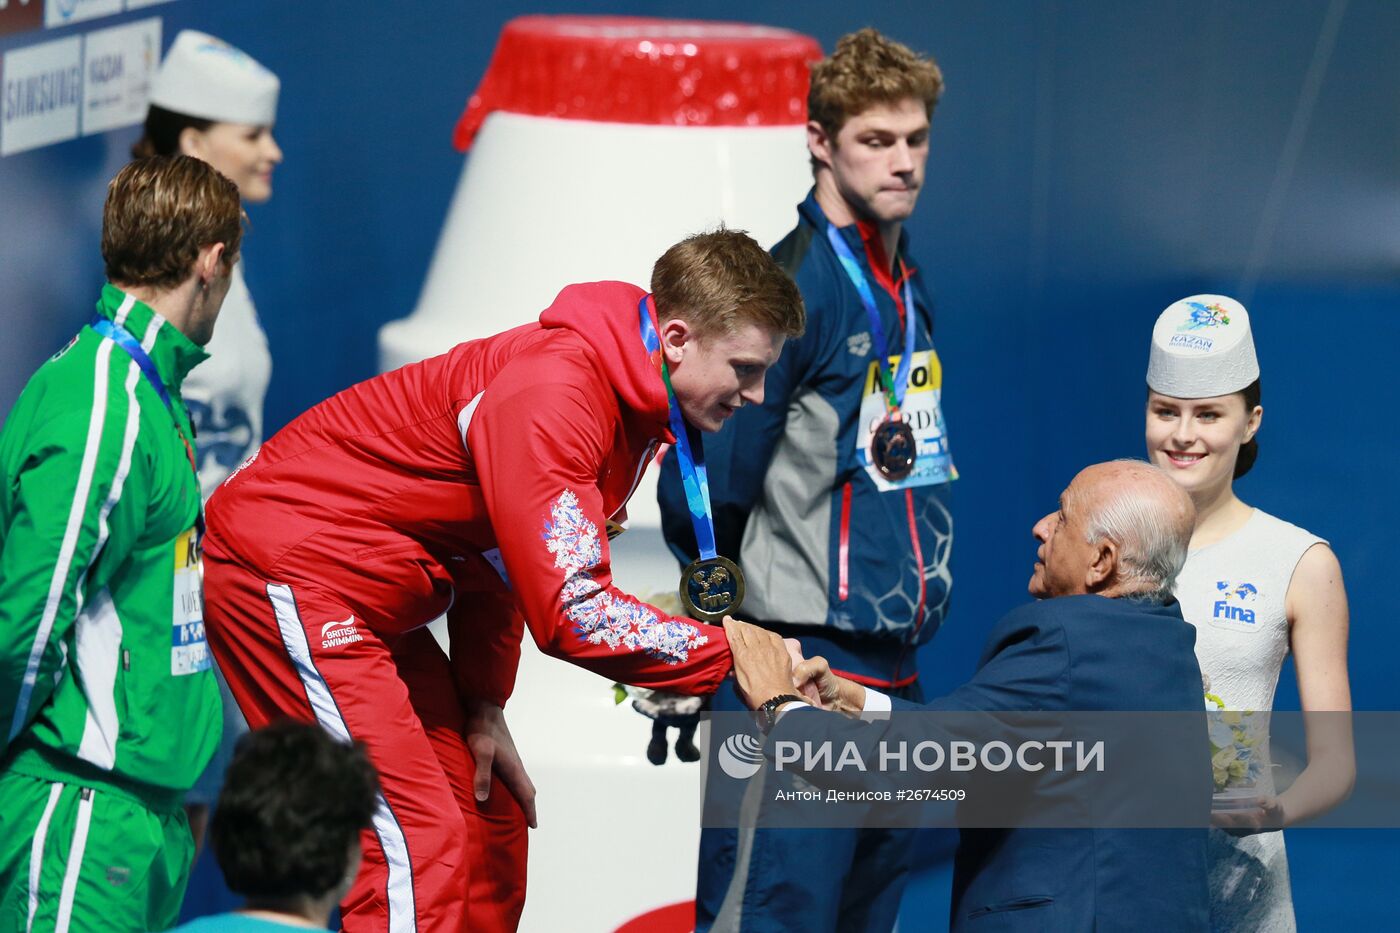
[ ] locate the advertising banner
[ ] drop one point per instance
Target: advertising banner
(118, 65)
(41, 95)
(63, 12)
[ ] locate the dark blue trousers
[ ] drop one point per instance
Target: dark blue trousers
(814, 880)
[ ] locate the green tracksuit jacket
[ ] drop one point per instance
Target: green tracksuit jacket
(105, 676)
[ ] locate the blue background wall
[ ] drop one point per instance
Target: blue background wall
(1092, 162)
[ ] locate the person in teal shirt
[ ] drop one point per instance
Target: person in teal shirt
(286, 831)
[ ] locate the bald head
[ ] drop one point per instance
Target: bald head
(1122, 530)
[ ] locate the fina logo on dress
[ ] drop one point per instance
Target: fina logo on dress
(225, 434)
(740, 756)
(1232, 596)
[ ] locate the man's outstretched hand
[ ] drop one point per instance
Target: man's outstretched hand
(763, 663)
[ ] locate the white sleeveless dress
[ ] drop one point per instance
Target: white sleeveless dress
(1233, 592)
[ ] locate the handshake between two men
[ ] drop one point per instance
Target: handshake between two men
(770, 673)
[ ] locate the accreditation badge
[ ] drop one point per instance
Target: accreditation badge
(189, 651)
(921, 415)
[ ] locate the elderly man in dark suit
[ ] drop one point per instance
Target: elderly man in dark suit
(1103, 635)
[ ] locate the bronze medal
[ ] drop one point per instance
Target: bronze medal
(712, 588)
(893, 449)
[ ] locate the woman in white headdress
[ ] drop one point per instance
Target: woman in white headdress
(213, 102)
(1255, 587)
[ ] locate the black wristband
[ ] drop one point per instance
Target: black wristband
(767, 714)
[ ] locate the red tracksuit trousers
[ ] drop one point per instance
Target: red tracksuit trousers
(435, 859)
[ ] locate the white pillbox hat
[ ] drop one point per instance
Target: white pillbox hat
(207, 78)
(1202, 347)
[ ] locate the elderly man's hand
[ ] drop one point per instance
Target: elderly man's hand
(762, 662)
(833, 691)
(803, 685)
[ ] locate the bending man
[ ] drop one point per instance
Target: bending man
(479, 483)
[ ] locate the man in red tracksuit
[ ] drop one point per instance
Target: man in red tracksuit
(479, 483)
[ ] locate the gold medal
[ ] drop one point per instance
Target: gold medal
(712, 588)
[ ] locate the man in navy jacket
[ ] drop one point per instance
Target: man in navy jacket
(850, 560)
(1104, 635)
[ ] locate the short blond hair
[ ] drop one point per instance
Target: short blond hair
(719, 280)
(160, 212)
(868, 69)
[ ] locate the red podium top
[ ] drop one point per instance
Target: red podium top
(662, 72)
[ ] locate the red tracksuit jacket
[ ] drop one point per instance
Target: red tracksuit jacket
(478, 483)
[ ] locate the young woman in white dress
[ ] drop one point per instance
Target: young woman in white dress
(1255, 588)
(213, 102)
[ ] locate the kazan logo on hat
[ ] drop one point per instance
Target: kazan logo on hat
(1202, 347)
(1203, 315)
(207, 78)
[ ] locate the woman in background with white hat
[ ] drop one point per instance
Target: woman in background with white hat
(1255, 587)
(213, 102)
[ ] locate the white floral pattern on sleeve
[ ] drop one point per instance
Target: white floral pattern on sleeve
(599, 617)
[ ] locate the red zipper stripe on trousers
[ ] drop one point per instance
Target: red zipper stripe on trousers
(919, 567)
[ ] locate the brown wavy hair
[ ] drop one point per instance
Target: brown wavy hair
(719, 280)
(868, 69)
(160, 212)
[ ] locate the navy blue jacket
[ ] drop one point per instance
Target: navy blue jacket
(1076, 653)
(779, 474)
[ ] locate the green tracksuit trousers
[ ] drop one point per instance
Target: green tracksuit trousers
(88, 860)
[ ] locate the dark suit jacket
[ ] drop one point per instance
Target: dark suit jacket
(1081, 653)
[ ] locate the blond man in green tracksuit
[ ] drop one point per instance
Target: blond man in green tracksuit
(108, 705)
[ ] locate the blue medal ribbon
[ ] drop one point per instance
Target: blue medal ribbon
(894, 392)
(691, 460)
(122, 338)
(132, 346)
